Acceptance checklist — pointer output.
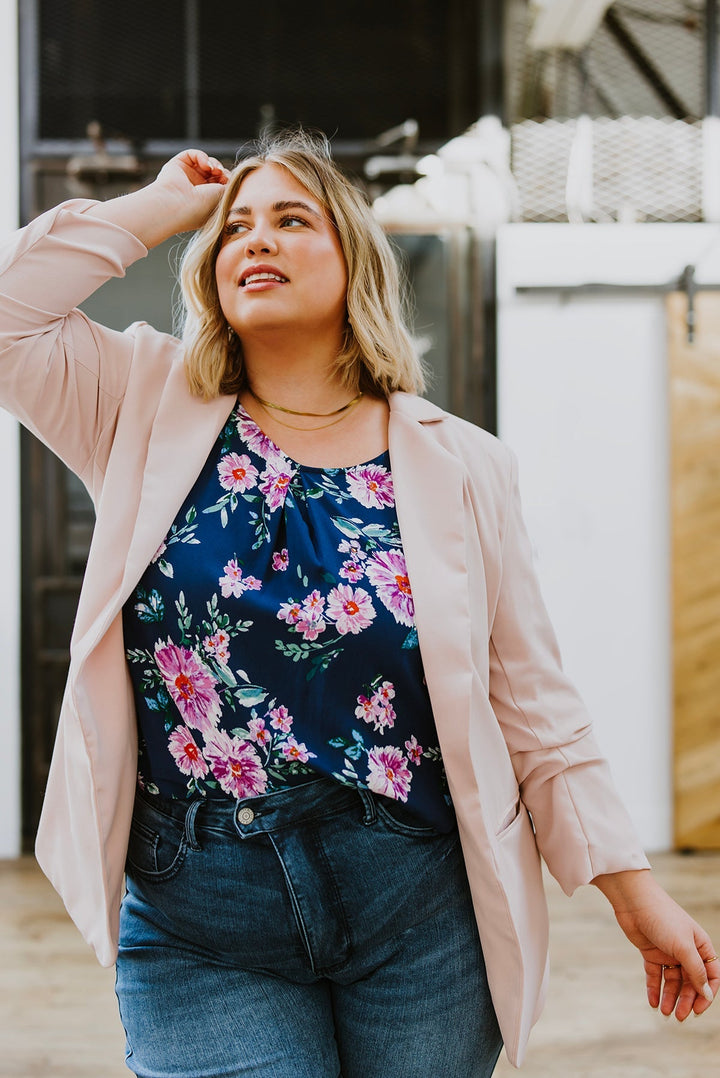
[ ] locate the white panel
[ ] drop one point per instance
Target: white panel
(584, 409)
(582, 400)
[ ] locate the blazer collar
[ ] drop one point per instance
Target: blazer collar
(417, 408)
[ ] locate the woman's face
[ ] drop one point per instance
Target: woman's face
(280, 264)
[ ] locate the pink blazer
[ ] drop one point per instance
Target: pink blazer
(524, 769)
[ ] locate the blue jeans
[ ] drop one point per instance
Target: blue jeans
(312, 933)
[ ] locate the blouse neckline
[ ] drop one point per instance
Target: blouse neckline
(382, 458)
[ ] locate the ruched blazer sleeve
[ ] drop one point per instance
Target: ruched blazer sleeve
(62, 375)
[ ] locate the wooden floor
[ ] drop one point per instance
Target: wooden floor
(58, 1014)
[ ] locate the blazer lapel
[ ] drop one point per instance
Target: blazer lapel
(429, 487)
(182, 436)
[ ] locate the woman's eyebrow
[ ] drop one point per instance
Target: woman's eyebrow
(278, 207)
(295, 204)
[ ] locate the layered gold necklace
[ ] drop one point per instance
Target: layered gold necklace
(341, 412)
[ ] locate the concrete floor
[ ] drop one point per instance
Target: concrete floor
(58, 1014)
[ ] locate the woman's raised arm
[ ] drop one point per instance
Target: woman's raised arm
(61, 374)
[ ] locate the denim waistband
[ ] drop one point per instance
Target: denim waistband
(263, 813)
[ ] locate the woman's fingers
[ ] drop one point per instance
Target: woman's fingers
(678, 995)
(191, 185)
(683, 989)
(711, 962)
(200, 168)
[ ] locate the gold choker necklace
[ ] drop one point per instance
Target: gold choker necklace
(310, 415)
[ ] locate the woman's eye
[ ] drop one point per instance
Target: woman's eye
(293, 221)
(234, 228)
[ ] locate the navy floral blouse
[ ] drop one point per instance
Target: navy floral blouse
(272, 640)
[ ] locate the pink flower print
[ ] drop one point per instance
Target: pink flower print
(385, 692)
(352, 571)
(294, 750)
(257, 440)
(414, 750)
(314, 602)
(389, 773)
(280, 719)
(275, 482)
(159, 552)
(217, 645)
(387, 572)
(371, 485)
(383, 715)
(290, 612)
(231, 583)
(280, 560)
(190, 684)
(234, 583)
(186, 753)
(353, 548)
(236, 765)
(237, 473)
(350, 609)
(311, 623)
(259, 733)
(365, 709)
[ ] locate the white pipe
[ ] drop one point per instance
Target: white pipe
(10, 827)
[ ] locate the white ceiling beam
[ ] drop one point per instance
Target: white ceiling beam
(565, 24)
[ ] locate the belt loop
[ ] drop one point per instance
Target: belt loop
(369, 805)
(190, 834)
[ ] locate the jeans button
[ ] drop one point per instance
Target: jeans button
(245, 815)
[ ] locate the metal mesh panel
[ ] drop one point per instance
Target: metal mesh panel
(607, 78)
(355, 70)
(540, 157)
(123, 69)
(179, 69)
(649, 169)
(641, 169)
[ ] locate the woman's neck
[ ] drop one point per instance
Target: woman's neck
(302, 379)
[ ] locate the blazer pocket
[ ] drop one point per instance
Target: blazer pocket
(509, 818)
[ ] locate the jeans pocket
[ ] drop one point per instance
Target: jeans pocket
(157, 846)
(402, 821)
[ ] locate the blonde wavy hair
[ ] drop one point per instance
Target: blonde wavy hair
(377, 353)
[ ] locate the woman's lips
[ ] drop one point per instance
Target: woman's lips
(262, 277)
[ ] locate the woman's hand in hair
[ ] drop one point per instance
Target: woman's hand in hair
(196, 182)
(182, 197)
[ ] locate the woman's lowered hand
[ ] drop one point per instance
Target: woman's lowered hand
(682, 970)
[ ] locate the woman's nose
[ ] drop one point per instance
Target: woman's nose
(260, 242)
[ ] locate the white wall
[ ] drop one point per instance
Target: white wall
(9, 469)
(583, 401)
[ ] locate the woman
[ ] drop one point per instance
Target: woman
(311, 594)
